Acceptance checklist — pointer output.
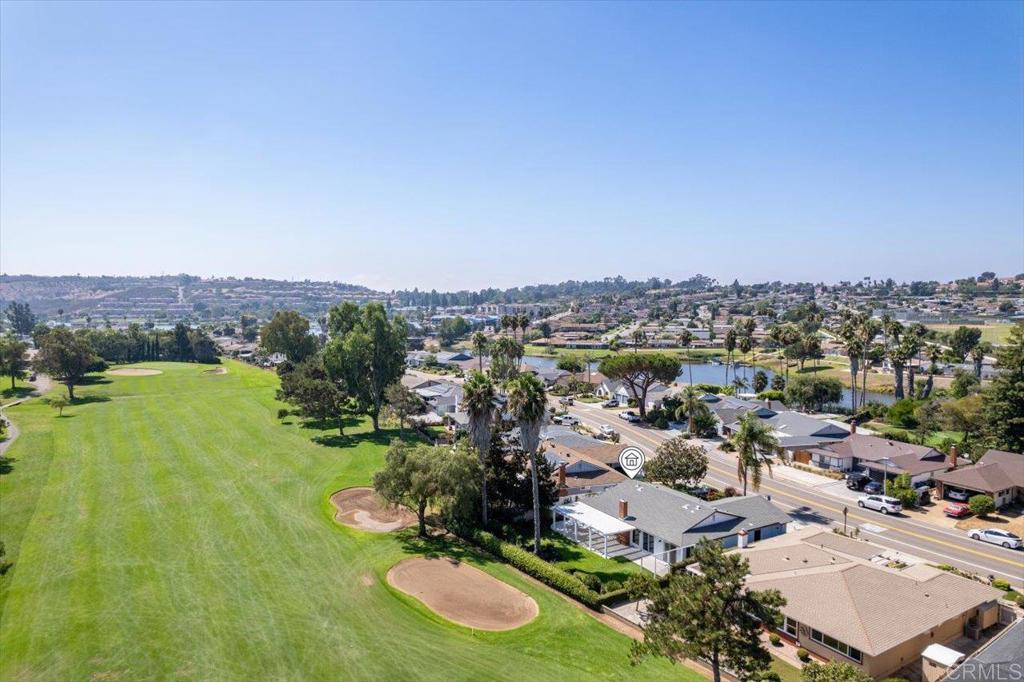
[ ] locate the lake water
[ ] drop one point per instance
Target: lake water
(710, 373)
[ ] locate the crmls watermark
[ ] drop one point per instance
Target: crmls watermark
(975, 671)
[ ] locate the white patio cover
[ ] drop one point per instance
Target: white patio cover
(592, 518)
(942, 655)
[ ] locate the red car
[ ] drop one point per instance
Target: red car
(957, 510)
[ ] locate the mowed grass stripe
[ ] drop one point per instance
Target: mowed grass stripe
(181, 531)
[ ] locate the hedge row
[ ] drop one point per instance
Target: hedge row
(538, 568)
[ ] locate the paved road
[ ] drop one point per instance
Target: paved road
(813, 505)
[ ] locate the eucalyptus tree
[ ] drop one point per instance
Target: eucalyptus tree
(527, 402)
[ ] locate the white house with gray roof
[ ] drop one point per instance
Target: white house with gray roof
(657, 526)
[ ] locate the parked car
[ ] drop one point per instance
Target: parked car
(996, 537)
(566, 400)
(886, 505)
(956, 510)
(873, 488)
(957, 494)
(566, 420)
(606, 430)
(608, 404)
(856, 480)
(629, 416)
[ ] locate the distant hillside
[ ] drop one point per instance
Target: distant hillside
(172, 297)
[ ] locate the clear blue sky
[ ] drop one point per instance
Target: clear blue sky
(470, 145)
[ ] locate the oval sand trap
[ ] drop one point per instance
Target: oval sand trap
(134, 372)
(463, 594)
(362, 508)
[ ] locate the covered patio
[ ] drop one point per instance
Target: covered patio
(589, 527)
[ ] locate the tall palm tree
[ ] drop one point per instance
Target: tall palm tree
(730, 346)
(639, 338)
(479, 341)
(685, 341)
(507, 323)
(523, 320)
(753, 441)
(689, 402)
(978, 356)
(847, 333)
(527, 403)
(478, 399)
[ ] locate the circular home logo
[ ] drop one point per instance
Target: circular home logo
(632, 460)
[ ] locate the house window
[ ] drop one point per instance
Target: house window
(789, 626)
(834, 644)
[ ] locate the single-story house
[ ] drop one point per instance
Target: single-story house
(442, 397)
(577, 473)
(845, 603)
(998, 474)
(660, 526)
(618, 391)
(1000, 659)
(419, 358)
(882, 457)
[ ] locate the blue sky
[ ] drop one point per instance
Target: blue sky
(471, 145)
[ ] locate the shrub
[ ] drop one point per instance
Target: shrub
(901, 413)
(730, 492)
(612, 586)
(282, 413)
(803, 654)
(535, 566)
(981, 505)
(661, 423)
(1001, 584)
(588, 579)
(1020, 600)
(727, 446)
(775, 639)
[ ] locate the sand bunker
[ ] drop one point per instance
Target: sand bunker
(216, 370)
(362, 508)
(463, 594)
(134, 372)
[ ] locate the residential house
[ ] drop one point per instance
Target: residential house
(998, 474)
(659, 526)
(578, 473)
(419, 358)
(882, 457)
(610, 389)
(1002, 658)
(847, 600)
(442, 397)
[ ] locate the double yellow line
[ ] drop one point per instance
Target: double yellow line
(817, 503)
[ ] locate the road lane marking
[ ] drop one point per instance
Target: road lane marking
(1019, 564)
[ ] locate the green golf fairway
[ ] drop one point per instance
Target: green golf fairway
(171, 527)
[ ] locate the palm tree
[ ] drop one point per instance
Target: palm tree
(523, 321)
(685, 341)
(730, 346)
(690, 400)
(479, 341)
(746, 344)
(639, 338)
(847, 333)
(478, 398)
(507, 323)
(527, 403)
(753, 441)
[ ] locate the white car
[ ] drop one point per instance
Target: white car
(958, 495)
(566, 420)
(886, 505)
(996, 537)
(629, 416)
(606, 430)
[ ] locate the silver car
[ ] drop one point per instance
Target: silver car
(886, 505)
(996, 537)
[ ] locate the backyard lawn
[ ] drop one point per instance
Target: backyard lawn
(996, 334)
(170, 527)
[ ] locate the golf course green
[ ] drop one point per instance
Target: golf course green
(171, 527)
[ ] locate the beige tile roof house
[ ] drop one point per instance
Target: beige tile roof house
(998, 473)
(844, 602)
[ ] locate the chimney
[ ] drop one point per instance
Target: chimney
(952, 457)
(741, 541)
(853, 426)
(623, 509)
(561, 475)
